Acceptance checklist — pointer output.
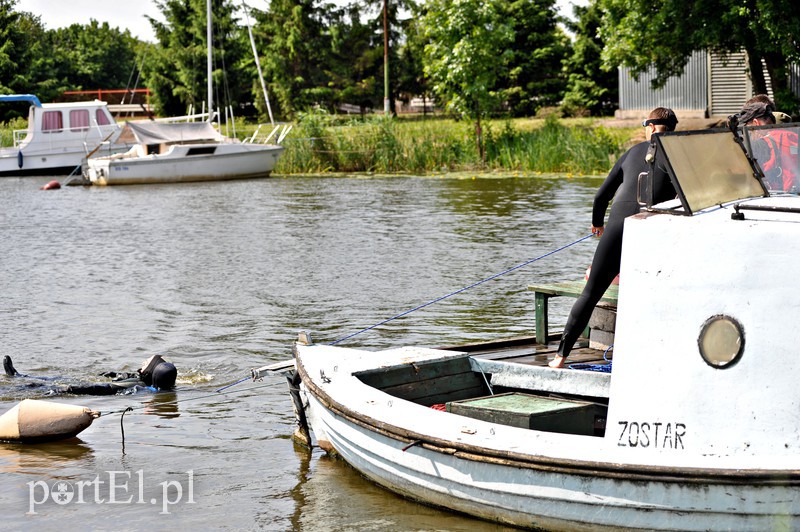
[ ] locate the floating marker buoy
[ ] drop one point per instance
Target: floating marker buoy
(52, 185)
(34, 421)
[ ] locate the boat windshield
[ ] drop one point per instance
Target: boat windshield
(709, 168)
(774, 148)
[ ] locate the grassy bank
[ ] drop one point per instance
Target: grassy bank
(320, 143)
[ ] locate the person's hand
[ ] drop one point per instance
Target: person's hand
(597, 231)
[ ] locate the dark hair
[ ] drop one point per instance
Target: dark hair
(761, 98)
(753, 111)
(662, 116)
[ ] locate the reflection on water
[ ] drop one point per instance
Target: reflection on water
(218, 278)
(27, 459)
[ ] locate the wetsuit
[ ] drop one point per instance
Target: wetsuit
(621, 185)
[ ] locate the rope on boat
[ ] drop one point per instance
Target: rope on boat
(604, 368)
(473, 285)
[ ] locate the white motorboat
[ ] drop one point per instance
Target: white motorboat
(696, 427)
(179, 153)
(58, 137)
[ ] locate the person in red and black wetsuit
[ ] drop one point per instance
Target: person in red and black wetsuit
(775, 149)
(621, 185)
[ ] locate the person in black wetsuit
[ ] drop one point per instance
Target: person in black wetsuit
(621, 185)
(156, 374)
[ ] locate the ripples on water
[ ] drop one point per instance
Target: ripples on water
(218, 278)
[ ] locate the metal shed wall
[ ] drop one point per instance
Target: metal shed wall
(687, 94)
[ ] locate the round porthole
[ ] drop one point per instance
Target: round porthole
(721, 341)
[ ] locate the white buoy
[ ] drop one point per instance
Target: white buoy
(33, 421)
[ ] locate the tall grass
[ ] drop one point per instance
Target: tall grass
(323, 143)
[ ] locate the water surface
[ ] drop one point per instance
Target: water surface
(219, 278)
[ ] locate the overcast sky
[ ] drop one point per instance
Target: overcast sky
(130, 14)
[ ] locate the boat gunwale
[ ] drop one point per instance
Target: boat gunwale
(617, 471)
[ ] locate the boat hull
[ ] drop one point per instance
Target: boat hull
(533, 484)
(229, 161)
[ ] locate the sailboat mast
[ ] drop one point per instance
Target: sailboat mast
(208, 68)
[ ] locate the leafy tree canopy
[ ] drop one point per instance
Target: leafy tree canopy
(642, 33)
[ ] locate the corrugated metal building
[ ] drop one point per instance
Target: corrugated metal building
(711, 85)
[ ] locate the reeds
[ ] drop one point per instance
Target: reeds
(322, 143)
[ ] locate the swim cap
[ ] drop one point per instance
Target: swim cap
(164, 376)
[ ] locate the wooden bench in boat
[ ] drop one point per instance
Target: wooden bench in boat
(428, 383)
(543, 292)
(534, 412)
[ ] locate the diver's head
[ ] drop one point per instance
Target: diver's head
(164, 376)
(659, 120)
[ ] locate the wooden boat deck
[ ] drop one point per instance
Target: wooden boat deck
(525, 350)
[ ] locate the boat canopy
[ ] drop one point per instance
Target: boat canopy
(21, 98)
(159, 133)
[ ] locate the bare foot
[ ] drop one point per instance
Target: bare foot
(557, 362)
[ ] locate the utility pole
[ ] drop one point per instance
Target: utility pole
(386, 106)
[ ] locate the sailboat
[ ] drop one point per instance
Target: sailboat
(186, 152)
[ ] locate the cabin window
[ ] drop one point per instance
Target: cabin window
(721, 341)
(52, 122)
(79, 119)
(102, 118)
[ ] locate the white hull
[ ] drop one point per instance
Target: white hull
(53, 146)
(179, 165)
(522, 477)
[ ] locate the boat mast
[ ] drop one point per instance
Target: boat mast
(208, 69)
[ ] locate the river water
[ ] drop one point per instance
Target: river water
(218, 278)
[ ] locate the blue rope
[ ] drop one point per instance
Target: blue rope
(473, 285)
(603, 368)
(234, 384)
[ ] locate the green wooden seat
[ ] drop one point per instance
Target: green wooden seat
(543, 292)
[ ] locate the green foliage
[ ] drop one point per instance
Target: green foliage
(640, 34)
(591, 88)
(467, 51)
(176, 67)
(7, 130)
(320, 143)
(92, 56)
(533, 77)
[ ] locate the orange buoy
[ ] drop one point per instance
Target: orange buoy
(34, 421)
(52, 185)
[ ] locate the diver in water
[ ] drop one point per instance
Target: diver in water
(156, 374)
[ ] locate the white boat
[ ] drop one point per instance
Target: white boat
(696, 427)
(58, 137)
(179, 153)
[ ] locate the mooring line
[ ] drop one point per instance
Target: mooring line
(473, 285)
(429, 303)
(187, 399)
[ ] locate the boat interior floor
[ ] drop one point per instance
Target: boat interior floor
(525, 350)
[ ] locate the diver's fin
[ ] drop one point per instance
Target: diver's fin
(8, 366)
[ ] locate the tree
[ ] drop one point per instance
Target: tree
(466, 54)
(175, 69)
(297, 48)
(26, 66)
(591, 88)
(640, 34)
(93, 56)
(534, 76)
